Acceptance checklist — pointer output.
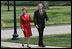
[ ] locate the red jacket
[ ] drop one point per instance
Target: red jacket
(25, 21)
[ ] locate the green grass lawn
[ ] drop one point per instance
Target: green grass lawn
(4, 47)
(57, 14)
(60, 40)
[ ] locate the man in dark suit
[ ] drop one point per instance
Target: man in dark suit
(39, 21)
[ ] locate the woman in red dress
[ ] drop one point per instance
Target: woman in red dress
(25, 26)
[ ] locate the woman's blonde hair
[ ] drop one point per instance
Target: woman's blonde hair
(24, 8)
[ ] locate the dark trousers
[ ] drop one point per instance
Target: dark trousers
(40, 30)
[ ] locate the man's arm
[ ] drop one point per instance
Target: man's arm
(35, 20)
(46, 17)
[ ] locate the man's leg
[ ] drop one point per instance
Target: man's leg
(40, 36)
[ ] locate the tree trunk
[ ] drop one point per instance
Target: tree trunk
(45, 4)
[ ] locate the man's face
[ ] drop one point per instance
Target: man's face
(40, 7)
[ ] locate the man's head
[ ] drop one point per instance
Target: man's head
(40, 6)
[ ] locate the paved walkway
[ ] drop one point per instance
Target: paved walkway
(18, 45)
(52, 29)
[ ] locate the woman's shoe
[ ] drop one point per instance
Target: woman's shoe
(28, 47)
(22, 45)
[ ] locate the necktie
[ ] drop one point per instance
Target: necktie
(41, 13)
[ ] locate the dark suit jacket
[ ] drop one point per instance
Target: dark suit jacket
(38, 20)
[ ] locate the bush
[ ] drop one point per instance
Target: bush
(35, 3)
(2, 24)
(60, 3)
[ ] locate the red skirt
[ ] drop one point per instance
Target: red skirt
(27, 31)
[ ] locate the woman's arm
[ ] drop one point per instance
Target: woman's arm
(30, 19)
(21, 23)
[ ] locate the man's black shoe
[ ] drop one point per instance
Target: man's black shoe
(41, 45)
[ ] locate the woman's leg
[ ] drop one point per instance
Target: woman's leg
(23, 40)
(28, 40)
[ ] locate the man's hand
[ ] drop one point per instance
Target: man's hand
(47, 22)
(37, 26)
(22, 29)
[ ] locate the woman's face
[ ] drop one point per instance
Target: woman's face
(24, 11)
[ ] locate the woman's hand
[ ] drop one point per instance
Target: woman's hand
(22, 29)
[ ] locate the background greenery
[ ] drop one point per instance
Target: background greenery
(35, 3)
(59, 12)
(60, 40)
